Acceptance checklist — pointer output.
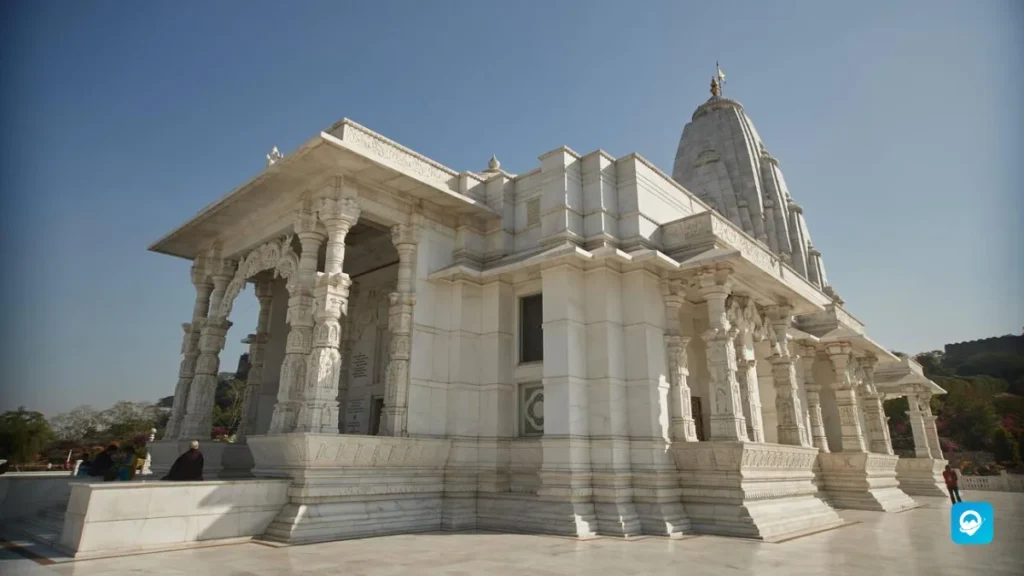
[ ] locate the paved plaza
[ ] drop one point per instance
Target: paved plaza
(908, 543)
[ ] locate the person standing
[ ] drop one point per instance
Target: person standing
(188, 467)
(952, 484)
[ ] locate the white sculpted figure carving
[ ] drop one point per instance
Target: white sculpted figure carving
(274, 156)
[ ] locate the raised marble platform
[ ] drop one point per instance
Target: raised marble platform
(921, 476)
(114, 518)
(351, 486)
(862, 481)
(762, 491)
(27, 494)
(221, 460)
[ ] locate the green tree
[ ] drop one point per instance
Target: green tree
(1008, 367)
(228, 400)
(1005, 447)
(967, 412)
(931, 362)
(23, 435)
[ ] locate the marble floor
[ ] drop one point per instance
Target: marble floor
(906, 544)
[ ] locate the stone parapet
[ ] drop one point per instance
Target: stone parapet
(335, 476)
(762, 491)
(863, 481)
(921, 476)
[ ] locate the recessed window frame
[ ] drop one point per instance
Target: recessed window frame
(522, 333)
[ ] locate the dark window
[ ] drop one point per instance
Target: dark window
(376, 413)
(531, 335)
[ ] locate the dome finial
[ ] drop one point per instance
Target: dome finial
(715, 90)
(720, 76)
(493, 165)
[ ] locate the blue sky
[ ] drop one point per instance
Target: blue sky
(898, 125)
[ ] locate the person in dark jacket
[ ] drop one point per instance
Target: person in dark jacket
(104, 462)
(188, 467)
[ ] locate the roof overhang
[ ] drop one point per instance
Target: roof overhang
(347, 149)
(904, 376)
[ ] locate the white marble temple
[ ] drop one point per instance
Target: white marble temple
(588, 348)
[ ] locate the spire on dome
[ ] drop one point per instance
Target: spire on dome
(721, 78)
(493, 165)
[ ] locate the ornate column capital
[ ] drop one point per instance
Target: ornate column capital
(264, 289)
(714, 281)
(339, 214)
(780, 316)
(305, 219)
(839, 352)
(406, 234)
(200, 274)
(674, 291)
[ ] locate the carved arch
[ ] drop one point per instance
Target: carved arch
(276, 255)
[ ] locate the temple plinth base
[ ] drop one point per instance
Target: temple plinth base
(921, 476)
(762, 491)
(221, 460)
(349, 486)
(863, 481)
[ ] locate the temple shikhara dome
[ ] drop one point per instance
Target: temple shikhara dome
(723, 161)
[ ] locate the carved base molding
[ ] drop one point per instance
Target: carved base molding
(526, 514)
(863, 481)
(348, 486)
(921, 476)
(762, 491)
(221, 460)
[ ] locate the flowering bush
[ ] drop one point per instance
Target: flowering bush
(219, 433)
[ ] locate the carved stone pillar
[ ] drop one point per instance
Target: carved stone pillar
(874, 414)
(787, 396)
(727, 422)
(396, 387)
(300, 320)
(743, 315)
(347, 343)
(813, 389)
(917, 427)
(683, 428)
(199, 408)
(257, 343)
(319, 411)
(931, 432)
(190, 346)
(846, 397)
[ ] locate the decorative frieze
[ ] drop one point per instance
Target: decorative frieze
(727, 421)
(788, 407)
(683, 428)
